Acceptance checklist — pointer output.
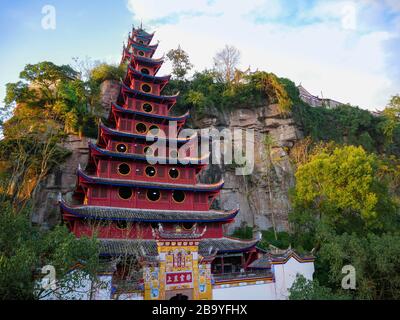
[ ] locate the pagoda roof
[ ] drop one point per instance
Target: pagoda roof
(114, 132)
(149, 247)
(131, 41)
(148, 61)
(142, 33)
(171, 100)
(118, 108)
(144, 47)
(147, 215)
(148, 78)
(94, 149)
(199, 187)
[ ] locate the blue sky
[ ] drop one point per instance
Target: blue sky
(346, 50)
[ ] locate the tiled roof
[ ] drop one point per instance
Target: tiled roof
(261, 263)
(142, 136)
(147, 215)
(282, 258)
(149, 95)
(225, 245)
(148, 77)
(200, 187)
(128, 247)
(142, 157)
(151, 115)
(149, 247)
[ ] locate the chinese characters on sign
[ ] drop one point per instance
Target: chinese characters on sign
(179, 277)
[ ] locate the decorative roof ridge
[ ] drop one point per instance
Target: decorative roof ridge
(289, 253)
(161, 234)
(152, 115)
(152, 185)
(141, 157)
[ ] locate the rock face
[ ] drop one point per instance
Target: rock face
(109, 91)
(262, 195)
(61, 180)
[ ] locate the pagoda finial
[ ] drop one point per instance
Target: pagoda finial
(141, 24)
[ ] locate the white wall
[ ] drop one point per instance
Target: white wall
(285, 275)
(248, 292)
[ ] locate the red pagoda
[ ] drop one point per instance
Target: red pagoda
(153, 219)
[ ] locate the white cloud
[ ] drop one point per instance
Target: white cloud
(345, 64)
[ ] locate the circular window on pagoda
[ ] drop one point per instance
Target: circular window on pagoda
(141, 53)
(150, 171)
(174, 173)
(141, 41)
(122, 148)
(124, 169)
(154, 130)
(145, 71)
(141, 128)
(153, 195)
(178, 196)
(147, 107)
(146, 88)
(125, 193)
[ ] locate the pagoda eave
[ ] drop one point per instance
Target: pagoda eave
(112, 132)
(145, 215)
(116, 108)
(87, 179)
(151, 62)
(131, 41)
(149, 247)
(170, 100)
(96, 151)
(148, 78)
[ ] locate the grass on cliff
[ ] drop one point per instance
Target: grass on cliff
(205, 92)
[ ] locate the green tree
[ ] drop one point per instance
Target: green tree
(303, 289)
(180, 63)
(25, 249)
(391, 116)
(343, 186)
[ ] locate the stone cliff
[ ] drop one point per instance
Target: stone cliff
(261, 196)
